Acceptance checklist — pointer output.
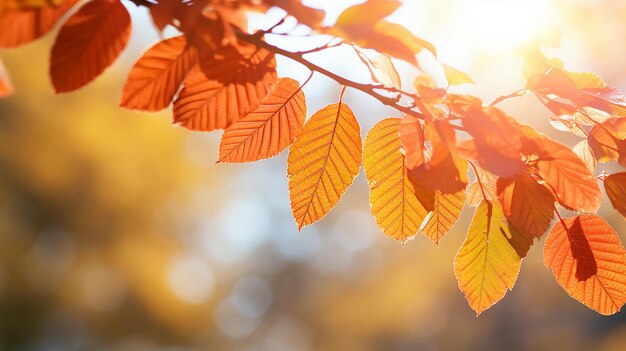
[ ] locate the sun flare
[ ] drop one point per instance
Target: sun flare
(504, 24)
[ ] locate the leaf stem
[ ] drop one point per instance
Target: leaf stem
(480, 183)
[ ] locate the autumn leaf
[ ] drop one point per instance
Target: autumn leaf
(456, 77)
(304, 14)
(269, 129)
(588, 260)
(323, 162)
(363, 25)
(615, 186)
(584, 152)
(6, 88)
(446, 211)
(497, 139)
(527, 205)
(487, 264)
(233, 83)
(394, 203)
(608, 140)
(18, 27)
(445, 172)
(411, 134)
(384, 71)
(477, 191)
(88, 43)
(368, 12)
(566, 174)
(156, 77)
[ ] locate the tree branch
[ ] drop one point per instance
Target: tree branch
(369, 89)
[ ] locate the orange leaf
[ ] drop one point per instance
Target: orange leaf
(24, 26)
(323, 162)
(615, 186)
(269, 129)
(487, 264)
(588, 260)
(608, 140)
(567, 175)
(233, 83)
(304, 14)
(527, 205)
(446, 211)
(395, 206)
(412, 137)
(445, 171)
(6, 88)
(497, 139)
(88, 43)
(156, 77)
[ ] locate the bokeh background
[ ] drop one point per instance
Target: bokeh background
(118, 231)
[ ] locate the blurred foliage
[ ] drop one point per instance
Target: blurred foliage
(117, 232)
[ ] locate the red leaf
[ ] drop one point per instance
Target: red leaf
(88, 43)
(588, 260)
(156, 77)
(23, 26)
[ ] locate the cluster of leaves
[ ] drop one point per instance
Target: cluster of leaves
(218, 75)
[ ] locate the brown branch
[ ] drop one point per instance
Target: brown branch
(514, 94)
(369, 89)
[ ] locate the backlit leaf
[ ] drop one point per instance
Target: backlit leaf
(395, 206)
(24, 26)
(527, 205)
(368, 12)
(474, 192)
(88, 43)
(412, 138)
(269, 129)
(445, 172)
(323, 162)
(233, 83)
(567, 175)
(487, 264)
(615, 186)
(584, 152)
(156, 77)
(456, 77)
(446, 211)
(608, 140)
(588, 260)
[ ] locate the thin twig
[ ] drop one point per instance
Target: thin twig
(517, 93)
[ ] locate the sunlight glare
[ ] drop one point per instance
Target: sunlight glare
(504, 24)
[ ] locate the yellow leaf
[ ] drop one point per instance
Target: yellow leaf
(323, 162)
(395, 206)
(269, 129)
(456, 77)
(446, 211)
(487, 264)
